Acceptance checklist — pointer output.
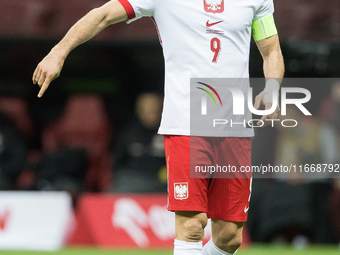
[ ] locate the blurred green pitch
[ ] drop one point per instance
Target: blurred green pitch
(253, 250)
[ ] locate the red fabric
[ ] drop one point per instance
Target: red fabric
(225, 197)
(128, 8)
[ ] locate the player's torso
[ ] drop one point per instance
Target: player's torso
(216, 31)
(201, 39)
(197, 17)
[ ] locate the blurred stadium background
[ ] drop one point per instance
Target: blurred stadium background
(92, 137)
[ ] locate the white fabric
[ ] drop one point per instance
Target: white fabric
(186, 41)
(211, 249)
(185, 248)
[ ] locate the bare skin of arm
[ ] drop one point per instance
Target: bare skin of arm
(273, 68)
(86, 28)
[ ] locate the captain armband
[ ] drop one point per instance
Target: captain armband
(264, 27)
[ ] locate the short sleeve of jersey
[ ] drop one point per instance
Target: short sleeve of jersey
(137, 9)
(265, 9)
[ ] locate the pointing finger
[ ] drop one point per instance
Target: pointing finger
(44, 87)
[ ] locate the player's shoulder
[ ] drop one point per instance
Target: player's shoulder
(145, 3)
(263, 2)
(257, 4)
(264, 8)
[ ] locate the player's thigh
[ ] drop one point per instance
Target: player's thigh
(189, 225)
(229, 195)
(186, 193)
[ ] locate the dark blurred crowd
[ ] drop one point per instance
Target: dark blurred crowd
(308, 19)
(79, 152)
(295, 207)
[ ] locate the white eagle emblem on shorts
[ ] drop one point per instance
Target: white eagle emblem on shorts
(214, 6)
(181, 190)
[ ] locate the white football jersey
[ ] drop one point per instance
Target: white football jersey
(200, 39)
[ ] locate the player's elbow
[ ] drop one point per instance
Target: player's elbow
(99, 17)
(110, 13)
(273, 53)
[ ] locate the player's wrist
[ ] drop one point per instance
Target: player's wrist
(60, 52)
(271, 90)
(272, 85)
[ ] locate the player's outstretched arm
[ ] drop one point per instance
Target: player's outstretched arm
(86, 28)
(273, 68)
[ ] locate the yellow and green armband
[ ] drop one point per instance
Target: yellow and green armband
(264, 27)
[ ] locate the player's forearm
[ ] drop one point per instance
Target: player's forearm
(273, 65)
(90, 25)
(86, 28)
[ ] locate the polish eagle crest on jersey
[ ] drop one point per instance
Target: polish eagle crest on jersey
(214, 6)
(181, 190)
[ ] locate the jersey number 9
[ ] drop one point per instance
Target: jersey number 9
(215, 46)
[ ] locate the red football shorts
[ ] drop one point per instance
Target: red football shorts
(227, 197)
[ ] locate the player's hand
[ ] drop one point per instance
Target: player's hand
(47, 70)
(261, 99)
